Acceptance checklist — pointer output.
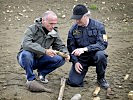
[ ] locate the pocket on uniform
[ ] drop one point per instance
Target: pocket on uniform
(78, 39)
(92, 36)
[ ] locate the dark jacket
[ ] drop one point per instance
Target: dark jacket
(36, 40)
(90, 36)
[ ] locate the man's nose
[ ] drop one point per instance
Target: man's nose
(53, 25)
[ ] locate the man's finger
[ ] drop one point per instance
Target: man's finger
(78, 71)
(80, 68)
(67, 58)
(73, 51)
(51, 55)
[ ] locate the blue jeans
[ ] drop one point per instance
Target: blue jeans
(44, 64)
(99, 59)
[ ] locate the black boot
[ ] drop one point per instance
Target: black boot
(103, 83)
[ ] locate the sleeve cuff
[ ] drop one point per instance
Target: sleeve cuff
(85, 49)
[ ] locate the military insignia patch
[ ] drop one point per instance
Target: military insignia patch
(76, 32)
(105, 37)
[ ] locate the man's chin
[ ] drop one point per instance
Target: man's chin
(50, 30)
(80, 25)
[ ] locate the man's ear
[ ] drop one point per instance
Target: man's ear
(43, 20)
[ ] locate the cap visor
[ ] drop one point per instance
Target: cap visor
(76, 17)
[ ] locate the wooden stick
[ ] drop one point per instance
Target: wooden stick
(63, 81)
(130, 95)
(108, 93)
(96, 91)
(61, 54)
(126, 77)
(96, 98)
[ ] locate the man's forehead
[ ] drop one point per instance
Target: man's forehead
(52, 17)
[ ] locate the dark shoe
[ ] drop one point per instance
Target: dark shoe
(103, 83)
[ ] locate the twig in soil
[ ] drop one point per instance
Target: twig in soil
(126, 77)
(63, 81)
(108, 94)
(96, 91)
(96, 98)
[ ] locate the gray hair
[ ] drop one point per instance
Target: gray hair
(47, 13)
(87, 14)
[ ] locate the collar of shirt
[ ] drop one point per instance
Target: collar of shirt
(52, 32)
(45, 30)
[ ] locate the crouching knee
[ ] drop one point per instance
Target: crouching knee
(59, 60)
(24, 58)
(101, 56)
(74, 83)
(26, 55)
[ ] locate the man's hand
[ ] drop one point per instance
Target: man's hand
(50, 52)
(78, 67)
(67, 58)
(64, 55)
(79, 51)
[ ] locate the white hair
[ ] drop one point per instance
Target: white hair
(87, 14)
(47, 13)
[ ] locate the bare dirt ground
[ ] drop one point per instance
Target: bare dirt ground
(16, 15)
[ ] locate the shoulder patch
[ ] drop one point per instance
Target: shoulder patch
(76, 32)
(105, 37)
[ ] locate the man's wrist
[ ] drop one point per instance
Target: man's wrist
(85, 49)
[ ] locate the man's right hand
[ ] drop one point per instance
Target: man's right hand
(50, 52)
(79, 51)
(78, 67)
